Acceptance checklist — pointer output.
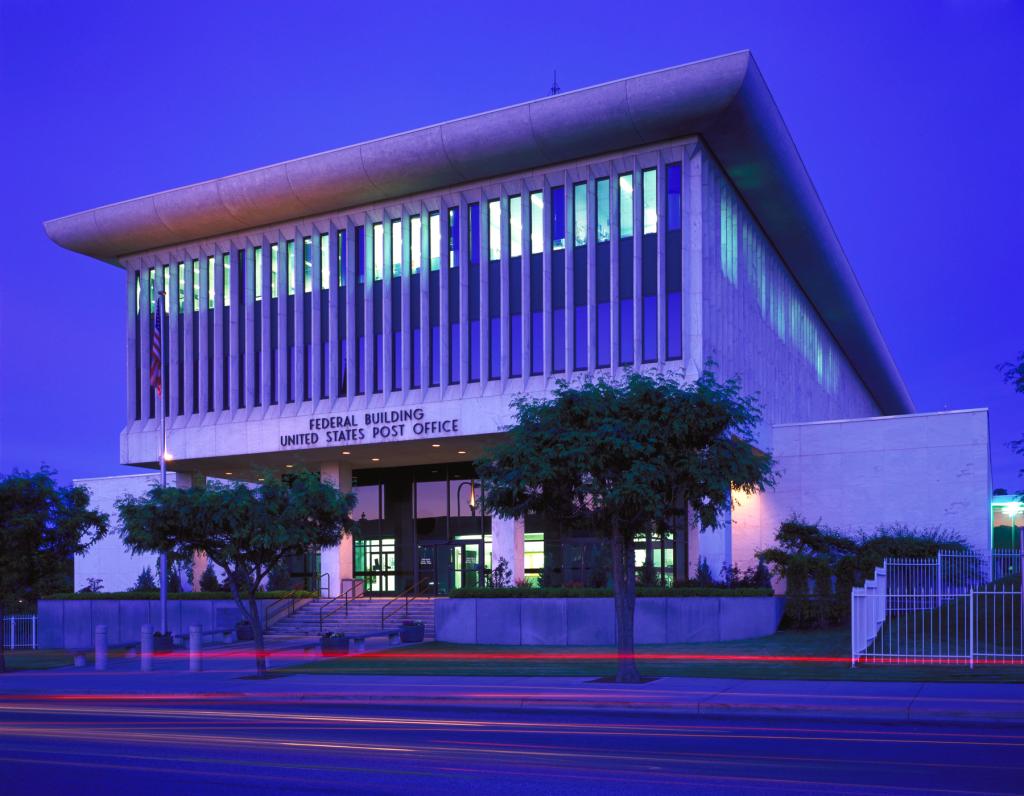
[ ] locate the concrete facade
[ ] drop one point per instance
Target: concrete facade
(589, 621)
(923, 471)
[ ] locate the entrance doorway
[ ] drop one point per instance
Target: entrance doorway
(447, 566)
(375, 564)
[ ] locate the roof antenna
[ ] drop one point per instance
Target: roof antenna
(555, 88)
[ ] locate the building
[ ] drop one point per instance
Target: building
(369, 313)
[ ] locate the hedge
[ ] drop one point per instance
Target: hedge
(641, 591)
(186, 595)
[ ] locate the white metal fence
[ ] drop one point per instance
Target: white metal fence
(955, 608)
(19, 632)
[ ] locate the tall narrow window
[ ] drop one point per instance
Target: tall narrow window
(257, 326)
(166, 286)
(650, 189)
(273, 270)
(515, 226)
(453, 237)
(196, 286)
(360, 310)
(415, 244)
(474, 293)
(290, 265)
(307, 265)
(674, 261)
(211, 276)
(604, 224)
(139, 347)
(494, 229)
(226, 262)
(649, 267)
(378, 252)
(342, 314)
(181, 288)
(434, 220)
(557, 218)
(579, 213)
(536, 222)
(396, 247)
(325, 262)
(625, 205)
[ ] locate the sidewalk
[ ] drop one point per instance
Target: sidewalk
(229, 675)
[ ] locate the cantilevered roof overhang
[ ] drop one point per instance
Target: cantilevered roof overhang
(724, 100)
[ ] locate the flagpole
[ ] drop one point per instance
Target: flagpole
(163, 464)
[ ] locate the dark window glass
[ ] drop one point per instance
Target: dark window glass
(674, 262)
(515, 320)
(579, 301)
(454, 343)
(474, 234)
(342, 314)
(360, 310)
(604, 305)
(626, 356)
(494, 319)
(558, 310)
(557, 218)
(536, 314)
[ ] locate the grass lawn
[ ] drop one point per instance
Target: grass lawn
(28, 660)
(769, 658)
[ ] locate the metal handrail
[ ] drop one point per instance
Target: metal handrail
(408, 594)
(344, 597)
(328, 576)
(272, 610)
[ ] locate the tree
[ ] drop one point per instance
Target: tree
(245, 531)
(42, 527)
(145, 581)
(208, 580)
(626, 457)
(1013, 374)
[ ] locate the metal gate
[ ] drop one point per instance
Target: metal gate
(19, 632)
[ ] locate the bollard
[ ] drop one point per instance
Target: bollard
(101, 647)
(146, 648)
(79, 660)
(195, 648)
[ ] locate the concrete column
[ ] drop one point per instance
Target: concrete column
(283, 363)
(333, 370)
(337, 560)
(350, 308)
(146, 649)
(146, 333)
(298, 326)
(316, 376)
(219, 386)
(234, 300)
(507, 543)
(693, 224)
(100, 639)
(463, 263)
(264, 387)
(406, 319)
(204, 336)
(251, 308)
(485, 302)
(189, 340)
(504, 297)
(368, 338)
(172, 353)
(195, 648)
(385, 308)
(443, 276)
(132, 362)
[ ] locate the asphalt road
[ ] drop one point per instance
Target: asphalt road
(152, 747)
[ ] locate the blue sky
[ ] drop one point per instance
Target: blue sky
(908, 116)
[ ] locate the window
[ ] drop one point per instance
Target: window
(197, 285)
(325, 262)
(415, 243)
(138, 291)
(650, 197)
(453, 237)
(536, 222)
(557, 218)
(307, 265)
(273, 270)
(152, 290)
(674, 199)
(396, 247)
(257, 256)
(166, 285)
(579, 214)
(515, 226)
(290, 265)
(378, 252)
(181, 288)
(474, 234)
(211, 269)
(604, 229)
(674, 262)
(625, 205)
(226, 262)
(494, 229)
(435, 241)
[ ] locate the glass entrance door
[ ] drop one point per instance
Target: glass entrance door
(453, 565)
(375, 564)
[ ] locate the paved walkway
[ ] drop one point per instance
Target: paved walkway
(228, 673)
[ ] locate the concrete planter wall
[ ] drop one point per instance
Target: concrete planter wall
(68, 624)
(586, 621)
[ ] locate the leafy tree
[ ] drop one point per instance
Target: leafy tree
(245, 531)
(208, 580)
(42, 527)
(145, 581)
(1013, 373)
(626, 457)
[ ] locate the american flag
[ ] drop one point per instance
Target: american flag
(155, 379)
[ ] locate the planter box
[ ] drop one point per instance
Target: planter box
(162, 644)
(411, 632)
(243, 631)
(333, 646)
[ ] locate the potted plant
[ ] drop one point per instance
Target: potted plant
(163, 642)
(333, 644)
(411, 630)
(243, 631)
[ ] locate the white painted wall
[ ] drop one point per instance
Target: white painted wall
(925, 471)
(108, 559)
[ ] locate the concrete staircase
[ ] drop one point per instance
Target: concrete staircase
(364, 615)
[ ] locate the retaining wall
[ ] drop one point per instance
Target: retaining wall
(590, 621)
(69, 624)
